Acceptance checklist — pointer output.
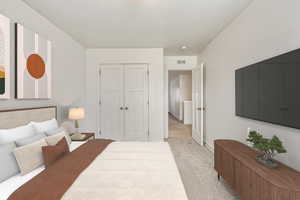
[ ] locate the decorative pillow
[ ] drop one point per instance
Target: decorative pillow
(11, 135)
(29, 140)
(9, 166)
(30, 156)
(53, 153)
(54, 139)
(42, 127)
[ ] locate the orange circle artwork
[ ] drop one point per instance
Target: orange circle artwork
(36, 66)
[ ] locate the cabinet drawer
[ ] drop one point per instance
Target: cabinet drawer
(246, 182)
(225, 166)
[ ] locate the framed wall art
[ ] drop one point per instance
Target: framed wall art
(33, 65)
(4, 57)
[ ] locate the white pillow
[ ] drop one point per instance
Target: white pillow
(11, 135)
(54, 139)
(45, 126)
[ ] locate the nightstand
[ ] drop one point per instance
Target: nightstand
(88, 136)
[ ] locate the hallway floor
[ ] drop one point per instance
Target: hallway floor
(195, 164)
(179, 130)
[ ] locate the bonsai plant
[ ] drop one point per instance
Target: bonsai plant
(269, 148)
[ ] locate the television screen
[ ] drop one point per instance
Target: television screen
(270, 90)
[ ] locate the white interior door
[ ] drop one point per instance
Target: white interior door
(111, 102)
(175, 98)
(136, 102)
(198, 105)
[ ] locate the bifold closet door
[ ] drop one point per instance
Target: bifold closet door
(136, 102)
(111, 102)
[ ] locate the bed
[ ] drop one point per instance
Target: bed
(122, 171)
(9, 186)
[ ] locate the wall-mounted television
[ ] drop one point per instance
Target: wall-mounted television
(269, 91)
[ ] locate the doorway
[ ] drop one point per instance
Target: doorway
(173, 115)
(180, 113)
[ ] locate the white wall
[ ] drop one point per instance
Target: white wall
(68, 60)
(171, 62)
(186, 86)
(154, 57)
(185, 92)
(265, 29)
(180, 89)
(174, 95)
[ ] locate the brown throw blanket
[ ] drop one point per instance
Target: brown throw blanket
(53, 182)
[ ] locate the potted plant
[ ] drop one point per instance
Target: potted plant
(268, 147)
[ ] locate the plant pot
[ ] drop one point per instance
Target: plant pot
(267, 163)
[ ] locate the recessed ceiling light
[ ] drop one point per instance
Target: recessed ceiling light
(184, 47)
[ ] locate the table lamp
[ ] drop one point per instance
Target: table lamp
(76, 114)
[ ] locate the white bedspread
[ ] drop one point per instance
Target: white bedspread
(130, 171)
(124, 171)
(9, 186)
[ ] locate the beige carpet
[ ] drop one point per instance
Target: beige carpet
(195, 165)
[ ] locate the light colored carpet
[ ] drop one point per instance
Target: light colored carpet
(195, 165)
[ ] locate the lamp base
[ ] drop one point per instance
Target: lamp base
(76, 124)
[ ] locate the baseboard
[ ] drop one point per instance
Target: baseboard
(196, 137)
(209, 147)
(176, 117)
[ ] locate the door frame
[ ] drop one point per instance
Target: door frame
(166, 110)
(198, 136)
(98, 117)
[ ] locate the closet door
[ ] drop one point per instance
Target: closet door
(111, 102)
(136, 102)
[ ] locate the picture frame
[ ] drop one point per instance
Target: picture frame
(4, 57)
(33, 64)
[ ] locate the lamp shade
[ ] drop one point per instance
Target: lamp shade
(76, 113)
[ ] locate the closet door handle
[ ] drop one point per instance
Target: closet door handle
(121, 108)
(126, 108)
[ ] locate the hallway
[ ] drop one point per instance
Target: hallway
(195, 164)
(179, 130)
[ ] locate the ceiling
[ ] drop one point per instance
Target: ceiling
(142, 23)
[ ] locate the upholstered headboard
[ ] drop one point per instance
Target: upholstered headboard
(19, 117)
